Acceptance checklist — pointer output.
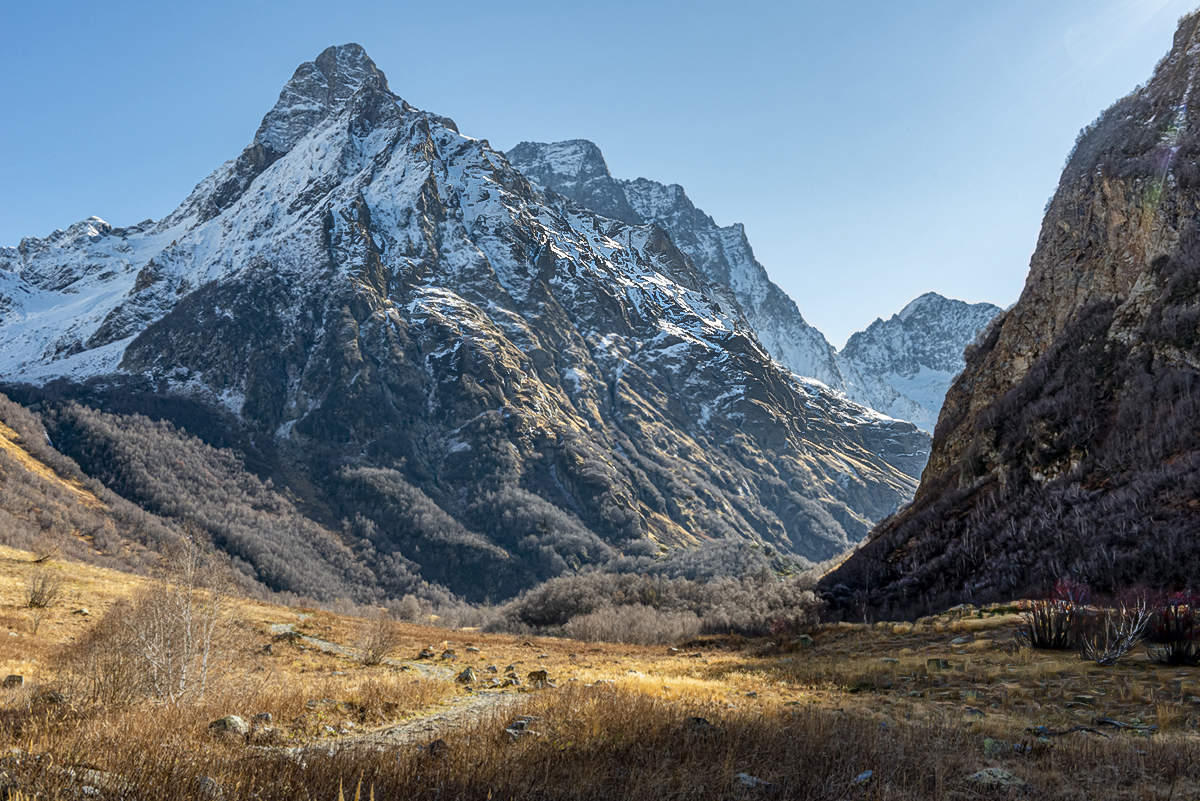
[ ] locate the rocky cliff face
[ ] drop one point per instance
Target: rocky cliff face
(904, 365)
(454, 370)
(576, 170)
(1069, 444)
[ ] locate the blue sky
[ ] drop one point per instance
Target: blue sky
(874, 150)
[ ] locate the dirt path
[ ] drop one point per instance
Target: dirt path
(421, 730)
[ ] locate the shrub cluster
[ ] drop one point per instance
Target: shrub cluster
(646, 608)
(1104, 632)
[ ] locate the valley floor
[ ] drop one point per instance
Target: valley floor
(949, 707)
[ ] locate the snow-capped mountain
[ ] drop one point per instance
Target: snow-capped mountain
(576, 169)
(482, 382)
(903, 366)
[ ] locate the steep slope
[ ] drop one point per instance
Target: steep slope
(1069, 444)
(903, 366)
(576, 170)
(455, 371)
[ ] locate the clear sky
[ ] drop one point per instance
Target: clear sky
(874, 150)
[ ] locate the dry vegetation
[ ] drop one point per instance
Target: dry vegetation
(883, 711)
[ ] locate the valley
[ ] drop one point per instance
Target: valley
(949, 706)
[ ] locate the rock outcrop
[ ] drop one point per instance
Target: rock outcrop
(1069, 445)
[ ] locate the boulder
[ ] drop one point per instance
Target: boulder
(230, 724)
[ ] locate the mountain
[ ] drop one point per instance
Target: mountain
(903, 366)
(1069, 445)
(373, 321)
(576, 170)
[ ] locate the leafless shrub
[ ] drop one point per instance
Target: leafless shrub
(164, 644)
(1116, 632)
(43, 588)
(378, 638)
(45, 548)
(1174, 630)
(1056, 622)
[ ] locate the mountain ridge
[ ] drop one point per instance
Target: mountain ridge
(470, 378)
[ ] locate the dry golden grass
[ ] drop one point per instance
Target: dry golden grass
(807, 717)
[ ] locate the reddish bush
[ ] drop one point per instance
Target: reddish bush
(1174, 630)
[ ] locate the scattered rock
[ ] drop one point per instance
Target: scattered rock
(83, 610)
(207, 787)
(466, 677)
(539, 678)
(492, 669)
(889, 660)
(960, 641)
(426, 653)
(937, 663)
(996, 778)
(230, 724)
(750, 782)
(701, 726)
(449, 654)
(510, 669)
(972, 712)
(803, 641)
(13, 680)
(263, 719)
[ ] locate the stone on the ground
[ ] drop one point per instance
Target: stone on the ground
(426, 653)
(230, 724)
(937, 663)
(750, 782)
(466, 677)
(996, 778)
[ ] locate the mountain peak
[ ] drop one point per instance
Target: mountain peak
(578, 159)
(316, 88)
(920, 302)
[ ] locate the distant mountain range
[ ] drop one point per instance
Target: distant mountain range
(419, 369)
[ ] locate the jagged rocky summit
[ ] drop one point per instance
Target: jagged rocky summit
(904, 365)
(456, 374)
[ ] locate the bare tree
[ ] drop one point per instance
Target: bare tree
(164, 643)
